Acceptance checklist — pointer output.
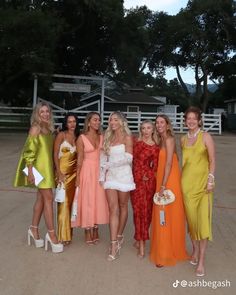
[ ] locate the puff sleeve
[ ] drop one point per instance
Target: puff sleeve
(30, 150)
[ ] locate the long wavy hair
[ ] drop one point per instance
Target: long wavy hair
(109, 133)
(170, 131)
(154, 134)
(87, 121)
(64, 123)
(35, 118)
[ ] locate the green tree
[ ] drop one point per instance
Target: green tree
(27, 43)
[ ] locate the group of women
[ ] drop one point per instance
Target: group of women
(101, 171)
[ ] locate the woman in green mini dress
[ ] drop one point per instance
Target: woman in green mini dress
(37, 153)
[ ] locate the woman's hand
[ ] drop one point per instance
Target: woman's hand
(161, 191)
(210, 187)
(30, 177)
(60, 177)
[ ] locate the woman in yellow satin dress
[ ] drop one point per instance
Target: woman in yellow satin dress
(197, 185)
(37, 153)
(65, 159)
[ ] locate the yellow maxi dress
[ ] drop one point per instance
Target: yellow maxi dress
(37, 151)
(197, 201)
(67, 162)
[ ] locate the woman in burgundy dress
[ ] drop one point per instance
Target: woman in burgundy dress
(145, 160)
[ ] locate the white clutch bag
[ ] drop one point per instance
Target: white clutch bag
(60, 193)
(167, 198)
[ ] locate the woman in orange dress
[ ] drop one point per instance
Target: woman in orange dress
(168, 232)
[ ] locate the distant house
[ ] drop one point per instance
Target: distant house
(133, 100)
(231, 113)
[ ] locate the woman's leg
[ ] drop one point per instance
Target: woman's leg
(113, 204)
(47, 196)
(123, 206)
(202, 250)
(195, 253)
(37, 213)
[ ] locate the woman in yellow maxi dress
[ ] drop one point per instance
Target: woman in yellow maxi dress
(197, 184)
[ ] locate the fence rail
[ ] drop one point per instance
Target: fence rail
(19, 118)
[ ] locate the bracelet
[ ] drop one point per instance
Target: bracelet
(162, 186)
(211, 175)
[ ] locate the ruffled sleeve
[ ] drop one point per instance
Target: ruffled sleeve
(30, 149)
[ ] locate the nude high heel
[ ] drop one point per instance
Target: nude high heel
(39, 243)
(117, 251)
(56, 248)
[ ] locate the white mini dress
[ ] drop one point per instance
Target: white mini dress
(119, 174)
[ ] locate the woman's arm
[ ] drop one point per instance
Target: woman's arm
(30, 153)
(209, 143)
(80, 158)
(129, 144)
(58, 141)
(170, 148)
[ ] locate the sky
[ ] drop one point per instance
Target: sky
(172, 7)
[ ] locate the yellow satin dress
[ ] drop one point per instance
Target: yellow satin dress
(198, 202)
(37, 151)
(67, 162)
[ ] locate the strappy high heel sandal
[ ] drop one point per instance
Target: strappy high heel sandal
(56, 248)
(116, 255)
(95, 234)
(120, 239)
(39, 243)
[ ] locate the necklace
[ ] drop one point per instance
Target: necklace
(194, 134)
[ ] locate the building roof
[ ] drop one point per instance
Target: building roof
(136, 97)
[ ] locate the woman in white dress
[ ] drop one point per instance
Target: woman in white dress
(117, 178)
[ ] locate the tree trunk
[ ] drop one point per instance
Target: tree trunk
(205, 96)
(187, 94)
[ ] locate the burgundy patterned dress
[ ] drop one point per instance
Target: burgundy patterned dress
(145, 160)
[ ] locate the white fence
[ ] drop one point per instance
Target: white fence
(18, 118)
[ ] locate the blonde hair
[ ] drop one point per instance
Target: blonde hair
(154, 134)
(109, 133)
(170, 131)
(35, 118)
(87, 121)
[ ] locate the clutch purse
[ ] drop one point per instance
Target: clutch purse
(167, 198)
(60, 193)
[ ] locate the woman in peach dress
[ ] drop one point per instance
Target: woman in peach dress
(168, 239)
(92, 208)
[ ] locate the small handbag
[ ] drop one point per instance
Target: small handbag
(167, 198)
(60, 193)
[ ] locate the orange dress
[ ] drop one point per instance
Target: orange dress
(168, 241)
(92, 203)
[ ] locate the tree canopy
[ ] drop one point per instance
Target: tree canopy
(133, 46)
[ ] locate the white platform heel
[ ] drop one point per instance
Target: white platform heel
(56, 248)
(39, 243)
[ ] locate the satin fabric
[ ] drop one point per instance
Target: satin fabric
(67, 162)
(37, 151)
(168, 241)
(198, 203)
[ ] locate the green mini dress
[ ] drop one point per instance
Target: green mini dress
(38, 152)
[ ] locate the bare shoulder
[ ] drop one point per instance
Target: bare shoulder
(207, 138)
(34, 131)
(170, 140)
(128, 139)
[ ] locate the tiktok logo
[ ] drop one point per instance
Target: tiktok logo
(176, 283)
